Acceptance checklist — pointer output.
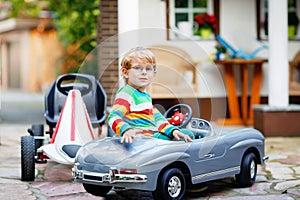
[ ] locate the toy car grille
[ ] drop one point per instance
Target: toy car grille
(90, 177)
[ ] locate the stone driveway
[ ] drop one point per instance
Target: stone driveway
(278, 179)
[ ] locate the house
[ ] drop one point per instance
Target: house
(126, 24)
(241, 22)
(29, 53)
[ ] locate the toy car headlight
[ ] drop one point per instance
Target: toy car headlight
(76, 172)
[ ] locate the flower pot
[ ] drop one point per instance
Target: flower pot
(292, 31)
(220, 56)
(205, 33)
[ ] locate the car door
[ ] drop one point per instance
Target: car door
(209, 159)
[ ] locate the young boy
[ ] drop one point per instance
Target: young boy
(133, 112)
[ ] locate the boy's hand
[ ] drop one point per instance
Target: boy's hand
(128, 136)
(177, 135)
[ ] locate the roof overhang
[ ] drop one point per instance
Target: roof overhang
(24, 24)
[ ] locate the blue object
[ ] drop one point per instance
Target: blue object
(239, 53)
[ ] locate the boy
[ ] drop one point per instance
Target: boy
(133, 112)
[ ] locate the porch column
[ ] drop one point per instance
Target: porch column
(278, 54)
(128, 23)
(278, 118)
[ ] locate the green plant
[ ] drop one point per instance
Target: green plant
(220, 48)
(76, 25)
(24, 9)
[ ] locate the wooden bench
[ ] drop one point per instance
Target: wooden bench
(176, 73)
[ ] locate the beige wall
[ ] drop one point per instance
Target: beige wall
(29, 59)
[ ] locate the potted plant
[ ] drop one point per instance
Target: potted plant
(205, 24)
(221, 52)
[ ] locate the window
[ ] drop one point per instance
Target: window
(192, 19)
(293, 19)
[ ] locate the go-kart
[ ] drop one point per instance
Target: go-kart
(169, 168)
(74, 105)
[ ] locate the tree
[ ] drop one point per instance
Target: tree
(76, 25)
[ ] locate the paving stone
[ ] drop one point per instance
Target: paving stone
(264, 197)
(14, 190)
(78, 197)
(55, 171)
(287, 184)
(261, 178)
(297, 170)
(273, 157)
(280, 171)
(292, 160)
(257, 188)
(295, 192)
(14, 173)
(51, 189)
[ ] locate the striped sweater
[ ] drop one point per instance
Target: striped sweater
(134, 109)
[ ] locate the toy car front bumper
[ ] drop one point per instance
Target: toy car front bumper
(112, 177)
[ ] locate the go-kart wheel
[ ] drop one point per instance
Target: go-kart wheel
(27, 158)
(69, 82)
(170, 185)
(179, 115)
(247, 175)
(97, 190)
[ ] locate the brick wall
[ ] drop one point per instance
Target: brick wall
(107, 31)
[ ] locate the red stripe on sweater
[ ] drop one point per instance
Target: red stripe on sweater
(114, 125)
(122, 102)
(162, 126)
(146, 111)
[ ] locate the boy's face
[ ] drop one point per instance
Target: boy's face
(140, 75)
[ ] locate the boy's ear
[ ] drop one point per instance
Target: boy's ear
(124, 72)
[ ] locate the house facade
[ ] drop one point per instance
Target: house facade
(28, 54)
(240, 22)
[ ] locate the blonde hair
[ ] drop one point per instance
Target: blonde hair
(138, 53)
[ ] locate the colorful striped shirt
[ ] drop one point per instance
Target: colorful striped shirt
(134, 109)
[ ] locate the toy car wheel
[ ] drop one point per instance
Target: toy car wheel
(170, 185)
(97, 190)
(247, 175)
(27, 158)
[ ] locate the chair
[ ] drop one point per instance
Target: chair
(176, 73)
(294, 69)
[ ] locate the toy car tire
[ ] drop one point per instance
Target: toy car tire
(97, 190)
(27, 158)
(170, 185)
(247, 175)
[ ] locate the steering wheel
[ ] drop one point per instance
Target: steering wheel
(69, 82)
(179, 115)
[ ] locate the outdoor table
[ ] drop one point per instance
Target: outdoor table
(246, 116)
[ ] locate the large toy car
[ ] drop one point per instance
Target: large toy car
(168, 168)
(74, 104)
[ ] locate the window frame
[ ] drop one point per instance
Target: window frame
(170, 11)
(260, 17)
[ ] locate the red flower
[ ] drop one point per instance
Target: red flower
(205, 21)
(198, 18)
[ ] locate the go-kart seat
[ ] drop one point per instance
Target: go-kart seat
(92, 93)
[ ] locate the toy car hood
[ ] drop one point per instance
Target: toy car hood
(111, 152)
